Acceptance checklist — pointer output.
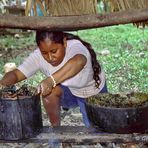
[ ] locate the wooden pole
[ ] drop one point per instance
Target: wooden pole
(71, 23)
(28, 7)
(81, 135)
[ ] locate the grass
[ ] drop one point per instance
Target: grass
(126, 66)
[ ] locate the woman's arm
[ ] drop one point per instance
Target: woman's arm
(70, 69)
(12, 77)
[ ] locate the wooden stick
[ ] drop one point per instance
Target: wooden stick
(35, 8)
(81, 135)
(28, 7)
(70, 23)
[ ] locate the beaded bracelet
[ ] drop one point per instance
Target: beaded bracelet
(54, 82)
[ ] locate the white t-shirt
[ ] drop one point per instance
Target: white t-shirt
(81, 85)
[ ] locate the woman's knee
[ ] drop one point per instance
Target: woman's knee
(57, 91)
(54, 98)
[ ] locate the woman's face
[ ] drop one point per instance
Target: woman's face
(52, 52)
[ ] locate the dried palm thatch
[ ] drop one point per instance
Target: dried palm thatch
(119, 5)
(62, 7)
(72, 7)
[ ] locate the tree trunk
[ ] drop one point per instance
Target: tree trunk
(21, 118)
(70, 23)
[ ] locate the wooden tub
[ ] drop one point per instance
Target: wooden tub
(119, 120)
(20, 118)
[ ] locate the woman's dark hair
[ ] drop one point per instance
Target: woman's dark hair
(58, 36)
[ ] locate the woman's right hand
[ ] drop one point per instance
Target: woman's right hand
(45, 87)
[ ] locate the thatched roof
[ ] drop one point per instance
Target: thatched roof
(82, 7)
(118, 5)
(122, 5)
(63, 7)
(71, 7)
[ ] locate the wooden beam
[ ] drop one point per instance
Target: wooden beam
(81, 135)
(70, 23)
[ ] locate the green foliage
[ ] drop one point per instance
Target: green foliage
(10, 41)
(126, 66)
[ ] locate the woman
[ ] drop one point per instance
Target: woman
(73, 73)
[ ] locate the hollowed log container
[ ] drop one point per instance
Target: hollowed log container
(118, 120)
(20, 118)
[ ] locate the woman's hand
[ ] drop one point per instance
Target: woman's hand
(45, 87)
(6, 93)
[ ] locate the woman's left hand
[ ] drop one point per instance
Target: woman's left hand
(45, 87)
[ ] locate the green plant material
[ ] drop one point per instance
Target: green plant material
(12, 92)
(119, 100)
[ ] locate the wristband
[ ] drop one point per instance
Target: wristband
(53, 80)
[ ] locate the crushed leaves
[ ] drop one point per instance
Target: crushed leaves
(119, 100)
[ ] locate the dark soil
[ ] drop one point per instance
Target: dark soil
(120, 100)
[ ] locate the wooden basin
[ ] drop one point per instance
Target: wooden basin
(119, 120)
(20, 118)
